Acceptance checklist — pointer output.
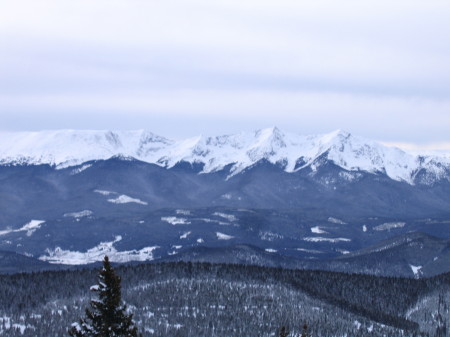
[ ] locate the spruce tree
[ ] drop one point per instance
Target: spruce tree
(107, 316)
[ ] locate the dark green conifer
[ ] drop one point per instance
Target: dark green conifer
(284, 332)
(107, 316)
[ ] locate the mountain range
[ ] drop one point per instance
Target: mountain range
(65, 148)
(69, 197)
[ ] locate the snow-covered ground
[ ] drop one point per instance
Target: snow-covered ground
(173, 220)
(229, 217)
(416, 270)
(389, 225)
(30, 228)
(80, 214)
(125, 199)
(317, 230)
(117, 198)
(221, 236)
(336, 221)
(185, 235)
(321, 239)
(97, 253)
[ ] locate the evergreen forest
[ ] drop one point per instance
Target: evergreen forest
(203, 299)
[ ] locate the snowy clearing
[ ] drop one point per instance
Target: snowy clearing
(97, 253)
(312, 251)
(336, 221)
(270, 236)
(30, 228)
(80, 169)
(80, 214)
(317, 230)
(173, 220)
(321, 239)
(102, 192)
(416, 270)
(182, 212)
(185, 235)
(389, 225)
(222, 236)
(229, 217)
(125, 199)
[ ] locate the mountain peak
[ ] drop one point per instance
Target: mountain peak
(63, 148)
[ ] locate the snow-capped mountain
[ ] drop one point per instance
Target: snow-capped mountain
(72, 196)
(291, 151)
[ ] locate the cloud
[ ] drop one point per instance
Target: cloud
(376, 67)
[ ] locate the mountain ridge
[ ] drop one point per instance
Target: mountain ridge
(293, 152)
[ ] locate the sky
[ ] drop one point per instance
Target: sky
(179, 68)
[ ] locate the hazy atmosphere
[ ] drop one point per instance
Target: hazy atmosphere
(378, 69)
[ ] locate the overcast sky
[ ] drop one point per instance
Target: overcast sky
(379, 69)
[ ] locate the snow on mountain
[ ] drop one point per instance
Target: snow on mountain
(30, 228)
(66, 148)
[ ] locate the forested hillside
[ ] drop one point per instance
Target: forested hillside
(190, 299)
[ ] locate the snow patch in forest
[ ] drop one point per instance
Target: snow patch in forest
(229, 217)
(80, 214)
(312, 251)
(321, 239)
(222, 236)
(182, 212)
(103, 192)
(336, 221)
(80, 169)
(317, 230)
(214, 221)
(97, 253)
(270, 236)
(185, 235)
(173, 220)
(125, 199)
(389, 225)
(30, 228)
(416, 270)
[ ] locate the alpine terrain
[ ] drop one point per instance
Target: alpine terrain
(272, 198)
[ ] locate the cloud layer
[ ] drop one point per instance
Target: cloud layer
(376, 68)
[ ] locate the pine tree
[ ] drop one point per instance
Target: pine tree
(284, 332)
(305, 332)
(107, 317)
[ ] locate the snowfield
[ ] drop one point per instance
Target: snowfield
(185, 235)
(173, 220)
(321, 239)
(30, 228)
(389, 225)
(336, 221)
(97, 253)
(125, 199)
(228, 217)
(416, 270)
(221, 236)
(317, 230)
(80, 214)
